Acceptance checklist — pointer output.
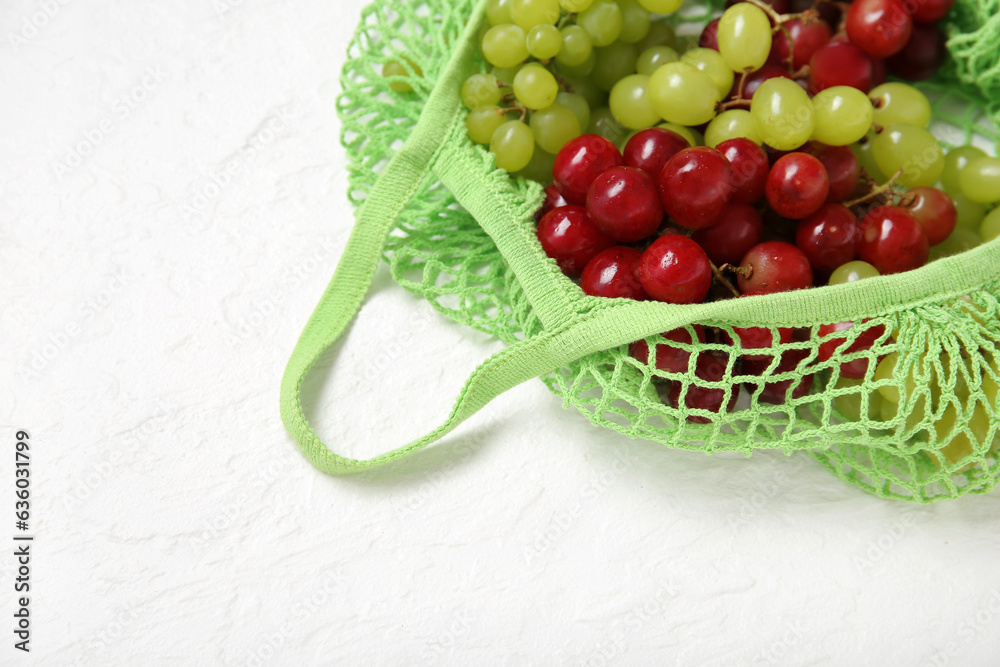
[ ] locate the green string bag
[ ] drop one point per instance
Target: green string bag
(460, 233)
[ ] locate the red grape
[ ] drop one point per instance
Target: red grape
(880, 27)
(832, 344)
(738, 229)
(612, 274)
(568, 236)
(669, 358)
(797, 185)
(580, 162)
(553, 200)
(650, 149)
(758, 338)
(892, 240)
(829, 237)
(710, 368)
(709, 37)
(929, 11)
(781, 391)
(624, 204)
(696, 185)
(934, 210)
(675, 269)
(807, 38)
(842, 169)
(750, 167)
(922, 55)
(840, 63)
(753, 80)
(774, 266)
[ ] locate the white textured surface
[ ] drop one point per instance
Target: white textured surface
(146, 318)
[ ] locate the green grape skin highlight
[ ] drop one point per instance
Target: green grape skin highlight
(505, 46)
(630, 104)
(911, 150)
(711, 63)
(544, 42)
(980, 180)
(498, 12)
(480, 90)
(635, 22)
(683, 94)
(744, 37)
(513, 144)
(955, 161)
(843, 115)
(528, 13)
(900, 103)
(535, 87)
(602, 21)
(731, 124)
(652, 58)
(481, 123)
(577, 46)
(613, 64)
(578, 104)
(554, 126)
(783, 114)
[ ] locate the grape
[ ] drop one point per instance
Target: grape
(960, 240)
(544, 41)
(955, 161)
(709, 367)
(580, 71)
(513, 143)
(660, 33)
(843, 115)
(539, 168)
(553, 200)
(970, 214)
(934, 210)
(396, 68)
(580, 162)
(842, 167)
(575, 6)
(630, 103)
(603, 123)
(481, 123)
(693, 137)
(650, 149)
(529, 13)
(661, 6)
(535, 87)
(696, 186)
(613, 64)
(505, 75)
(980, 180)
(652, 58)
(900, 103)
(783, 114)
(923, 54)
(683, 94)
(806, 39)
(911, 149)
(669, 358)
(852, 272)
(480, 90)
(577, 46)
(602, 20)
(841, 63)
(731, 124)
(578, 105)
(612, 274)
(797, 186)
(675, 269)
(731, 236)
(712, 64)
(635, 22)
(892, 240)
(991, 226)
(554, 126)
(750, 169)
(498, 11)
(929, 11)
(568, 236)
(866, 158)
(774, 266)
(828, 237)
(744, 37)
(880, 27)
(709, 37)
(504, 46)
(851, 405)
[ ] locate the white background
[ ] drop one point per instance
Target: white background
(147, 315)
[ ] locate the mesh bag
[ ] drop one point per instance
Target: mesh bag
(460, 233)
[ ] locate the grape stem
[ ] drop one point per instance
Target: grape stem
(887, 187)
(722, 279)
(738, 270)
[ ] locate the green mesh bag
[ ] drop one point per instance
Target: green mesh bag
(461, 234)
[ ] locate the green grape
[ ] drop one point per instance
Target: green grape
(529, 13)
(554, 126)
(614, 63)
(866, 158)
(661, 6)
(498, 11)
(650, 60)
(580, 71)
(544, 41)
(483, 122)
(504, 46)
(970, 213)
(730, 125)
(585, 87)
(687, 42)
(954, 162)
(843, 115)
(575, 6)
(957, 444)
(783, 114)
(980, 180)
(991, 226)
(513, 143)
(602, 21)
(577, 46)
(660, 33)
(744, 37)
(711, 63)
(850, 404)
(539, 168)
(396, 68)
(911, 149)
(960, 240)
(683, 94)
(480, 90)
(505, 75)
(852, 272)
(576, 103)
(886, 370)
(535, 87)
(603, 122)
(635, 22)
(900, 103)
(630, 103)
(694, 137)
